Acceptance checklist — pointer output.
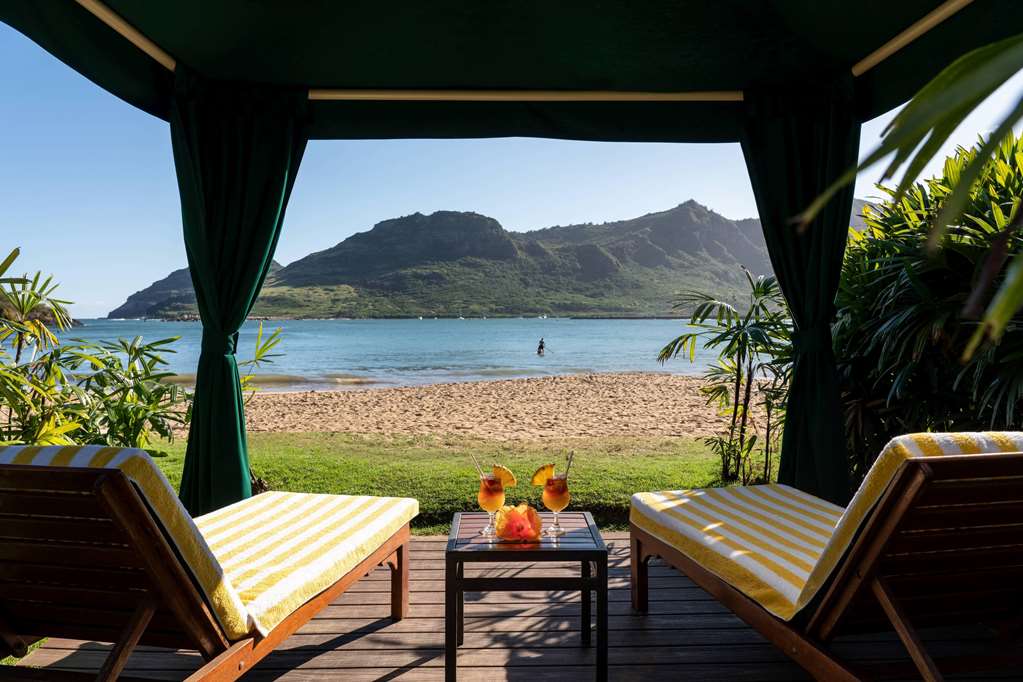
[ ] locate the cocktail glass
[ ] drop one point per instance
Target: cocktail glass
(556, 497)
(491, 498)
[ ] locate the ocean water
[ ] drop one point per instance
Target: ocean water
(338, 354)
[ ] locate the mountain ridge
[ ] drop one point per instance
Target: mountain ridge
(453, 263)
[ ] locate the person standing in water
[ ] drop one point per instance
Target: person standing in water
(539, 348)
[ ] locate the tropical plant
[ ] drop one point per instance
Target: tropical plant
(30, 308)
(32, 408)
(753, 353)
(110, 393)
(263, 355)
(914, 137)
(6, 264)
(125, 397)
(774, 395)
(900, 330)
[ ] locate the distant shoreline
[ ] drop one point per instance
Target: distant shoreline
(400, 317)
(289, 384)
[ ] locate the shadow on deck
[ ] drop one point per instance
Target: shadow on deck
(517, 636)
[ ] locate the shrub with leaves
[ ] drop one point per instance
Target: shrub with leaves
(122, 396)
(901, 331)
(109, 393)
(916, 135)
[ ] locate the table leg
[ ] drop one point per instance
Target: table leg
(452, 589)
(586, 596)
(460, 601)
(602, 619)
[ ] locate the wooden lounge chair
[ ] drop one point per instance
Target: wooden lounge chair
(933, 537)
(94, 545)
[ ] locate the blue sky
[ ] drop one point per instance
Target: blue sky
(88, 190)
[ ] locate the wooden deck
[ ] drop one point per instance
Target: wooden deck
(528, 636)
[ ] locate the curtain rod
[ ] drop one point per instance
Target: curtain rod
(132, 34)
(525, 95)
(917, 29)
(904, 38)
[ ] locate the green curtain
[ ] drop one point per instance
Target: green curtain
(795, 146)
(237, 149)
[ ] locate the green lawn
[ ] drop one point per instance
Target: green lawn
(439, 473)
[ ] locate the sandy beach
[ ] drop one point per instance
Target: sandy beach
(588, 405)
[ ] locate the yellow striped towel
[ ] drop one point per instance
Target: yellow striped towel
(295, 555)
(776, 544)
(281, 549)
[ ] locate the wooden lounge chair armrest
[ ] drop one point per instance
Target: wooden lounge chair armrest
(228, 665)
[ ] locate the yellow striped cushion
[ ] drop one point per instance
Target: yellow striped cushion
(764, 540)
(280, 549)
(143, 472)
(776, 544)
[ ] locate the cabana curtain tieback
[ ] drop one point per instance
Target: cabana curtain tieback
(812, 339)
(219, 344)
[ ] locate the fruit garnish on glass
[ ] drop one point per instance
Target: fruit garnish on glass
(491, 494)
(555, 493)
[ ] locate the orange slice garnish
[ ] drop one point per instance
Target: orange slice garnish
(505, 475)
(542, 474)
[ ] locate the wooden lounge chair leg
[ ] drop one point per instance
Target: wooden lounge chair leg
(587, 603)
(640, 577)
(460, 606)
(398, 563)
(118, 658)
(910, 639)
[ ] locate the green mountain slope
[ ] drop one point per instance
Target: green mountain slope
(456, 263)
(172, 296)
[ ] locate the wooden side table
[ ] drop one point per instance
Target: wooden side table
(582, 543)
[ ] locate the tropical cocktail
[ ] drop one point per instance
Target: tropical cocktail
(491, 494)
(555, 493)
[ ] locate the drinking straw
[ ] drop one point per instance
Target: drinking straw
(569, 465)
(478, 467)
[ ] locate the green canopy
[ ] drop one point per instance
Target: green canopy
(654, 45)
(791, 79)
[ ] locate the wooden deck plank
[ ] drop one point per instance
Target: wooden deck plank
(518, 649)
(514, 636)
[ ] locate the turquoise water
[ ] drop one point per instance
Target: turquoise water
(332, 354)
